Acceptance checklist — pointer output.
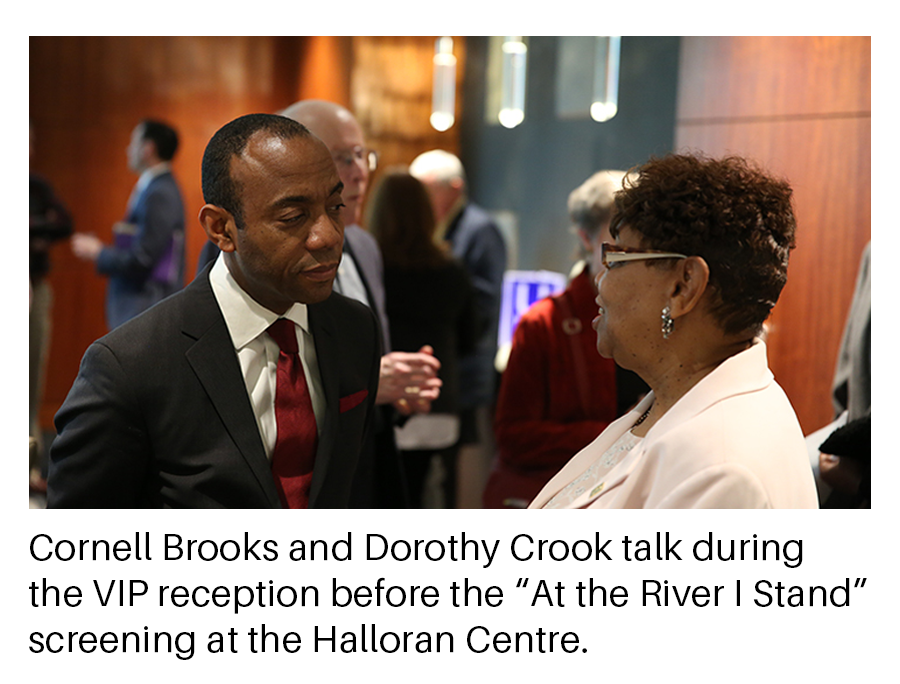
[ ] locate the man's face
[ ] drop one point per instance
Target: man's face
(135, 150)
(290, 246)
(443, 196)
(345, 141)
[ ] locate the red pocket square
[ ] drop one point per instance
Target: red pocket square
(353, 400)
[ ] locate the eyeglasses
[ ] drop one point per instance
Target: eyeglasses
(612, 254)
(369, 158)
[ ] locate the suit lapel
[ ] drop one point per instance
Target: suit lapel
(322, 328)
(213, 359)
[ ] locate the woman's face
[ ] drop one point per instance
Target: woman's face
(630, 299)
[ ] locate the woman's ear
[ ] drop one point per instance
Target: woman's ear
(691, 280)
(219, 226)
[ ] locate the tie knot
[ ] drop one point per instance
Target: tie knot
(285, 335)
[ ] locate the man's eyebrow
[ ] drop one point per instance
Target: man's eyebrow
(291, 200)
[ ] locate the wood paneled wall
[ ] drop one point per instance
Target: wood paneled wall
(88, 93)
(391, 95)
(801, 106)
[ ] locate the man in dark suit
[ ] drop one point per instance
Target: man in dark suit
(476, 241)
(180, 406)
(145, 263)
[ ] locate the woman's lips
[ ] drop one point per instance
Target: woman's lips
(598, 317)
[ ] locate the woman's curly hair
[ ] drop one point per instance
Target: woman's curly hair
(727, 211)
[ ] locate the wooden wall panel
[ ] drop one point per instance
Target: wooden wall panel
(391, 95)
(800, 107)
(739, 77)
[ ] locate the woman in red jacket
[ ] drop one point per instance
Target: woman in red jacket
(557, 393)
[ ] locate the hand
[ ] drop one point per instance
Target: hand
(409, 381)
(841, 474)
(86, 247)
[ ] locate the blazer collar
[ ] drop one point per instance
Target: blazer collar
(745, 372)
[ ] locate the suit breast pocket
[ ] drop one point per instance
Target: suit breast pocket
(351, 401)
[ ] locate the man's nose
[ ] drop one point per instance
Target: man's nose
(326, 233)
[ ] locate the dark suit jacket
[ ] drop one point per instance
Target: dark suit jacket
(148, 266)
(477, 242)
(382, 465)
(159, 414)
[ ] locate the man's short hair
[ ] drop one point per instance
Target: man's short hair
(219, 188)
(163, 137)
(591, 204)
(438, 165)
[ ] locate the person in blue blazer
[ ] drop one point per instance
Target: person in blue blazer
(145, 262)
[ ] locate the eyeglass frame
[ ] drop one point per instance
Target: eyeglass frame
(355, 155)
(612, 254)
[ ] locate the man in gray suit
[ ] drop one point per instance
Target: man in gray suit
(182, 406)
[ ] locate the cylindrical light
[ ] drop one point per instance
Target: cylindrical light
(512, 102)
(605, 102)
(444, 96)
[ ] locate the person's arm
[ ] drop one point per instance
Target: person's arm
(101, 455)
(54, 221)
(526, 436)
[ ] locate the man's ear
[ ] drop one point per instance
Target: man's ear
(219, 226)
(691, 280)
(584, 240)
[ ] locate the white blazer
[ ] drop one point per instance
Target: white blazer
(733, 441)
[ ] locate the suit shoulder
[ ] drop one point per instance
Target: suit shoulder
(478, 215)
(193, 307)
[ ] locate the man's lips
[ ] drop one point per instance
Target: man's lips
(321, 273)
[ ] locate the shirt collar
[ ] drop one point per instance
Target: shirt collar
(246, 318)
(149, 174)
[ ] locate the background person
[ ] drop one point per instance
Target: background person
(476, 241)
(557, 393)
(700, 258)
(430, 301)
(49, 222)
(841, 452)
(145, 263)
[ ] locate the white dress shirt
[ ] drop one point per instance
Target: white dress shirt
(349, 282)
(144, 180)
(257, 352)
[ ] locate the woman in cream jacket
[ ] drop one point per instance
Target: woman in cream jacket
(700, 258)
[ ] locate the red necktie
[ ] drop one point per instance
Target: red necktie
(295, 445)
